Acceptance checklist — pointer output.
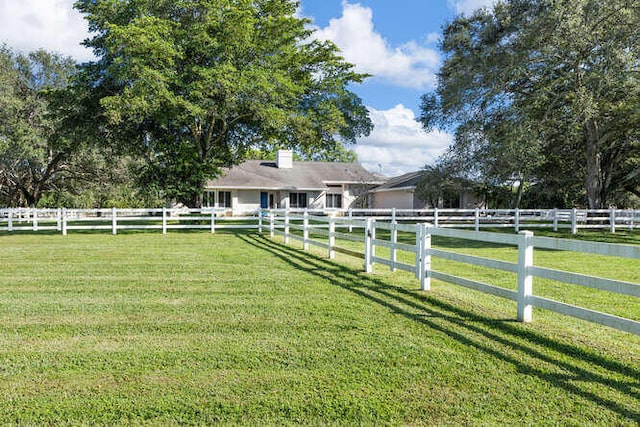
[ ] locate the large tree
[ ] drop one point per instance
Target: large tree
(196, 84)
(545, 91)
(32, 151)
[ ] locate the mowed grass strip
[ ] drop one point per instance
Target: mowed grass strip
(196, 328)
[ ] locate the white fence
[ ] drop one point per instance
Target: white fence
(354, 226)
(63, 220)
(363, 231)
(573, 219)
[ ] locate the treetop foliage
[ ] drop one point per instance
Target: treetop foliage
(32, 150)
(202, 82)
(538, 88)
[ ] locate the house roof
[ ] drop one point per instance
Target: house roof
(407, 181)
(260, 174)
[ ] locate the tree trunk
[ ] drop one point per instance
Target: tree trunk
(515, 204)
(593, 182)
(197, 198)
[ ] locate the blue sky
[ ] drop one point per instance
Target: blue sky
(398, 23)
(393, 40)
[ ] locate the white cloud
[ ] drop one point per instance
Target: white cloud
(28, 25)
(398, 144)
(410, 65)
(467, 7)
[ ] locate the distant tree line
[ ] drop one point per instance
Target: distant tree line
(543, 97)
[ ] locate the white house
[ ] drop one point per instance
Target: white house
(399, 193)
(285, 183)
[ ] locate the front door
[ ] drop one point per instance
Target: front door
(264, 200)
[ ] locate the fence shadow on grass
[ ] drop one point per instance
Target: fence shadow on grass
(568, 366)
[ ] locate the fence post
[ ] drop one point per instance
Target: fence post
(332, 237)
(34, 216)
(368, 243)
(425, 257)
(525, 279)
(516, 220)
(164, 220)
(10, 221)
(64, 221)
(612, 220)
(114, 222)
(419, 243)
(59, 220)
(350, 220)
(260, 213)
(574, 221)
(477, 219)
(435, 217)
(394, 241)
(305, 230)
(555, 219)
(286, 227)
(271, 224)
(631, 219)
(213, 221)
(373, 238)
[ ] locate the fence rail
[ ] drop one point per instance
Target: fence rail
(114, 220)
(574, 219)
(63, 220)
(365, 231)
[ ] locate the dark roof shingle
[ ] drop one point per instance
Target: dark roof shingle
(260, 174)
(410, 179)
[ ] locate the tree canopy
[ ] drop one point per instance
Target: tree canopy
(32, 151)
(545, 93)
(197, 84)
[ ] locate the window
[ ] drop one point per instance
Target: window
(334, 200)
(209, 199)
(297, 200)
(224, 199)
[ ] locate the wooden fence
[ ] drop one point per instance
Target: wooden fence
(326, 230)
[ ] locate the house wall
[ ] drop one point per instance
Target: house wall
(399, 199)
(316, 200)
(406, 199)
(248, 201)
(245, 201)
(349, 195)
(353, 192)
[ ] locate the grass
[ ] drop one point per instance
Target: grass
(592, 265)
(193, 328)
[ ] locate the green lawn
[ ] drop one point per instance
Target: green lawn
(235, 328)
